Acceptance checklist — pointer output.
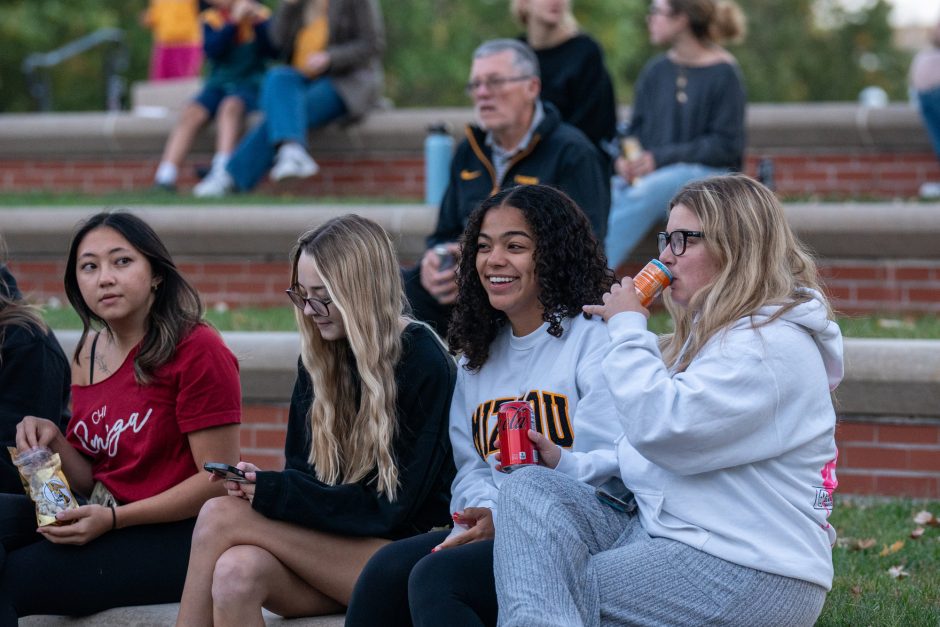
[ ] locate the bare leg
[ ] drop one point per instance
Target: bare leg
(326, 563)
(229, 122)
(247, 577)
(193, 117)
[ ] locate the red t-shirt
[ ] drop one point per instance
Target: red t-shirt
(136, 435)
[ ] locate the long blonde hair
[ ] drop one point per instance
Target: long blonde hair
(357, 264)
(760, 259)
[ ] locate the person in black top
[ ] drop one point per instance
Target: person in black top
(34, 373)
(574, 77)
(688, 117)
(518, 140)
(368, 459)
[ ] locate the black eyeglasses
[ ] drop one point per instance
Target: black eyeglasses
(493, 83)
(676, 240)
(320, 306)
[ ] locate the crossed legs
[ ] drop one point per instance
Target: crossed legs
(242, 561)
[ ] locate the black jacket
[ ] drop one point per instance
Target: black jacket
(34, 381)
(425, 375)
(558, 155)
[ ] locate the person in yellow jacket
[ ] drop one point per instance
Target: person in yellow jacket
(177, 39)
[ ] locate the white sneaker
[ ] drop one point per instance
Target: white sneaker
(293, 162)
(217, 183)
(930, 191)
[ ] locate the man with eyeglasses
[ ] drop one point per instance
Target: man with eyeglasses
(517, 140)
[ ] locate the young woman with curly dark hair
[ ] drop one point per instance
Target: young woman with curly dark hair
(529, 261)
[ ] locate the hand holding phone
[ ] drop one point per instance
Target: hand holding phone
(226, 472)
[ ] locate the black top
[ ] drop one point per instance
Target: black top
(425, 376)
(708, 128)
(34, 381)
(576, 81)
(558, 155)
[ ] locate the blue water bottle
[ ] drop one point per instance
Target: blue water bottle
(438, 149)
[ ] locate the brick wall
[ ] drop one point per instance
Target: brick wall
(872, 175)
(887, 457)
(895, 457)
(863, 286)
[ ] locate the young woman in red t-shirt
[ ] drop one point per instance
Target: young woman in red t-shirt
(155, 394)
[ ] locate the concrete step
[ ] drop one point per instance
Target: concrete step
(163, 615)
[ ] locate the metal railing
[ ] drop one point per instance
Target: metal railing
(39, 83)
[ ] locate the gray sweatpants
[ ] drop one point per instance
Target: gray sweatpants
(564, 558)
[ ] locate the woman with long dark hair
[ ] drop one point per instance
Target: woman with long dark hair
(155, 395)
(528, 260)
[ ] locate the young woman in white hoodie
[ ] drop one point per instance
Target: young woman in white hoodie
(728, 442)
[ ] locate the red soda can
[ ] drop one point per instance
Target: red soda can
(515, 447)
(651, 281)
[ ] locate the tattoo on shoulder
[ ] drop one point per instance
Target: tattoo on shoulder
(102, 364)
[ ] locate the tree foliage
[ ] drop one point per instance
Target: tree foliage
(796, 50)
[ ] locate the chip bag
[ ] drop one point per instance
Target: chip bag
(41, 473)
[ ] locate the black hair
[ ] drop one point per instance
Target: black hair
(176, 308)
(570, 268)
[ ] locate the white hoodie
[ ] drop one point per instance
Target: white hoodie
(735, 456)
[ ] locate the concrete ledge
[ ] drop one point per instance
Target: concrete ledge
(885, 230)
(883, 377)
(804, 127)
(215, 231)
(161, 616)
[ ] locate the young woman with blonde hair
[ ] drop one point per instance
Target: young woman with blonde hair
(688, 116)
(367, 454)
(728, 442)
(571, 66)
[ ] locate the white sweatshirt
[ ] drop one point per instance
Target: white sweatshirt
(562, 378)
(736, 455)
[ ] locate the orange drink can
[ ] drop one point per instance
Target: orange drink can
(651, 280)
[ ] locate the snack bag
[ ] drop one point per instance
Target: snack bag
(41, 473)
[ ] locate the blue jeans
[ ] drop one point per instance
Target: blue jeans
(635, 209)
(292, 104)
(930, 111)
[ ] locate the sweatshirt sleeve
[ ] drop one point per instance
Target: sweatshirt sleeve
(421, 452)
(719, 413)
(473, 486)
(595, 422)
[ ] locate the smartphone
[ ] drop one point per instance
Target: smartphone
(612, 501)
(227, 472)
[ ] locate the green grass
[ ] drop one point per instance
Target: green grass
(863, 593)
(282, 319)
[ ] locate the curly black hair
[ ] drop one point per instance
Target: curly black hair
(570, 267)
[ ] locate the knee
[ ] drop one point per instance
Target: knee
(215, 519)
(526, 484)
(232, 106)
(237, 577)
(279, 76)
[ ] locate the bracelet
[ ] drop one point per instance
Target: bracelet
(113, 518)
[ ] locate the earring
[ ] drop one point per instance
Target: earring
(153, 287)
